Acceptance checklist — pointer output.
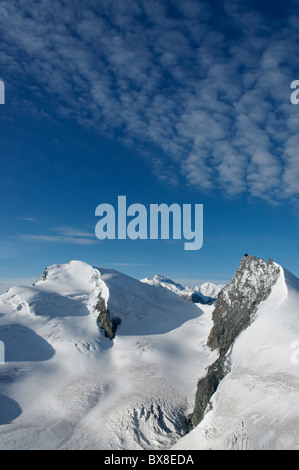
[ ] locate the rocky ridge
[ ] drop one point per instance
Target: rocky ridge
(234, 311)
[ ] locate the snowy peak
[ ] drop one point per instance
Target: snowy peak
(207, 293)
(75, 276)
(233, 313)
(240, 298)
(246, 398)
(234, 310)
(64, 379)
(121, 304)
(63, 291)
(161, 281)
(208, 289)
(130, 393)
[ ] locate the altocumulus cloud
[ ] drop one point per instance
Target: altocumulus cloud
(208, 88)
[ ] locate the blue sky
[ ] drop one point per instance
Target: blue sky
(162, 101)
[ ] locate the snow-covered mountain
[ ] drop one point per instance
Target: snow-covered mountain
(206, 293)
(248, 398)
(67, 385)
(95, 359)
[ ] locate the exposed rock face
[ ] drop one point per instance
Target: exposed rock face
(43, 277)
(233, 313)
(239, 300)
(108, 323)
(206, 387)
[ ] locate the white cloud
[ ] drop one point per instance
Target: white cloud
(212, 98)
(58, 239)
(65, 234)
(27, 219)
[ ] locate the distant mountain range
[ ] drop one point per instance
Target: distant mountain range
(95, 359)
(206, 293)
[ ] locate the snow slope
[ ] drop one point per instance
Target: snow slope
(256, 405)
(65, 385)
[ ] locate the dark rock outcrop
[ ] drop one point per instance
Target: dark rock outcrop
(240, 299)
(108, 323)
(206, 388)
(233, 313)
(43, 277)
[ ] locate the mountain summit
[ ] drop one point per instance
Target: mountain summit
(234, 310)
(95, 359)
(245, 400)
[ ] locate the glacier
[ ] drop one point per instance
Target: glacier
(66, 385)
(69, 381)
